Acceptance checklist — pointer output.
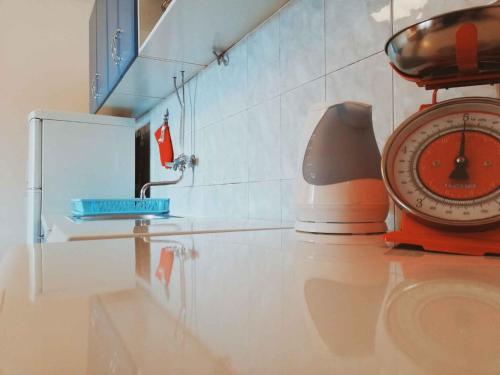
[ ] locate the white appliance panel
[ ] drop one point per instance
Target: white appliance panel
(34, 170)
(34, 205)
(85, 161)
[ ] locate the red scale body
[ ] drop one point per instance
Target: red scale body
(438, 157)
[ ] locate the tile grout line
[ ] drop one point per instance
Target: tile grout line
(354, 62)
(236, 183)
(288, 91)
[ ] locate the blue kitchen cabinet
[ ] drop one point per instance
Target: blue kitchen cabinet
(178, 38)
(102, 88)
(122, 38)
(112, 46)
(93, 59)
(98, 63)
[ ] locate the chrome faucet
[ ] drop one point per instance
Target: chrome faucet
(146, 186)
(180, 164)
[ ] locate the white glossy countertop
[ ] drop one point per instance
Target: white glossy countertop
(61, 228)
(265, 302)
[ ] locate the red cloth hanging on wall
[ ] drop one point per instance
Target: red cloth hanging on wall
(162, 135)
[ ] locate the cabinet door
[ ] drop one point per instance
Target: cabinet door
(102, 87)
(93, 60)
(122, 38)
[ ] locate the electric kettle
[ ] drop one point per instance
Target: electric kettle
(340, 187)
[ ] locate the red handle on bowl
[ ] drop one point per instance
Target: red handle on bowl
(466, 48)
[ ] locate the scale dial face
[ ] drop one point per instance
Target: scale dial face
(443, 164)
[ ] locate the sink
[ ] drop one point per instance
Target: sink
(79, 219)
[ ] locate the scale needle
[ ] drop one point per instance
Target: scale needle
(460, 170)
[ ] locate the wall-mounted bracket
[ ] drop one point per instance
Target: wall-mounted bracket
(222, 57)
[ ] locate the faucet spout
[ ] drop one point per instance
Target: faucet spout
(160, 183)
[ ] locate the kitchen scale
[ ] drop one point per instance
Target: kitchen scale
(441, 166)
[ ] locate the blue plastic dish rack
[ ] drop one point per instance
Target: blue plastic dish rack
(94, 207)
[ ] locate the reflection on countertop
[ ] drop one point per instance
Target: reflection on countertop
(61, 228)
(247, 302)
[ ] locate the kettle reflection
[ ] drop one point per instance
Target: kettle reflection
(343, 284)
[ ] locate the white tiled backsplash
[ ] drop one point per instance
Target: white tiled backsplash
(244, 120)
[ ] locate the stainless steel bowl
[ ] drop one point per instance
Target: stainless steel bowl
(427, 50)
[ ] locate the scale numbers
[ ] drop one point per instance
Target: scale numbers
(451, 153)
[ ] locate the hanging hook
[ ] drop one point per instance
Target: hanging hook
(177, 91)
(222, 57)
(182, 103)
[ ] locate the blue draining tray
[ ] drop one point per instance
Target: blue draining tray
(93, 207)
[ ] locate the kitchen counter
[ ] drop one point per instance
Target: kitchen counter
(61, 228)
(264, 302)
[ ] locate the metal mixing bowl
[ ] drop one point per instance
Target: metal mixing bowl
(427, 50)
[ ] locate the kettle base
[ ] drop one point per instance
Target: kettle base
(340, 228)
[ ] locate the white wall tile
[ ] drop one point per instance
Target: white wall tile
(263, 62)
(265, 200)
(355, 30)
(180, 201)
(408, 96)
(232, 147)
(161, 192)
(302, 48)
(264, 141)
(207, 94)
(222, 201)
(188, 179)
(211, 206)
(196, 203)
(213, 157)
(180, 198)
(294, 111)
(194, 103)
(367, 81)
(234, 200)
(174, 119)
(191, 93)
(288, 200)
(233, 81)
(201, 159)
